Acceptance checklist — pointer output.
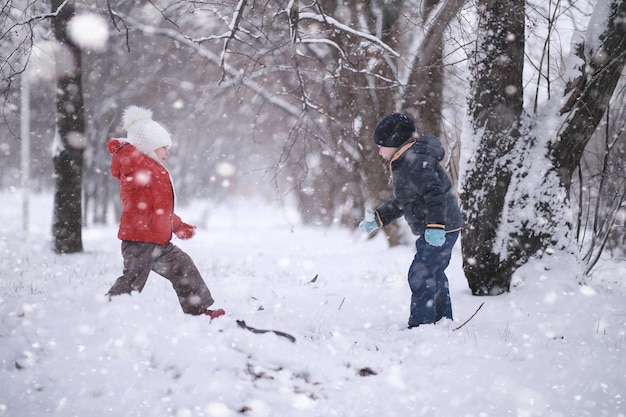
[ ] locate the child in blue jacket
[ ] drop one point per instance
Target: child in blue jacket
(423, 194)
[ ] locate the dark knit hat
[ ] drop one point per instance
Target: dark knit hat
(393, 130)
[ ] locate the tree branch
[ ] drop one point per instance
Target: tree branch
(471, 317)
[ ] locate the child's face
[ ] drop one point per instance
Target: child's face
(386, 152)
(162, 153)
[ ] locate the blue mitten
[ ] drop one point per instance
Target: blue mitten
(369, 223)
(435, 237)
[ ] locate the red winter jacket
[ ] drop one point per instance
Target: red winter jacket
(146, 193)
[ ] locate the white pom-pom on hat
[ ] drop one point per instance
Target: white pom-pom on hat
(134, 114)
(143, 132)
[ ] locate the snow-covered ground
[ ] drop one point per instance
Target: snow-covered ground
(551, 347)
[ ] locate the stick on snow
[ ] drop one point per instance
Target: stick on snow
(471, 317)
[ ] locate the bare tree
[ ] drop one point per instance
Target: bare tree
(495, 110)
(518, 177)
(315, 78)
(19, 34)
(70, 140)
(599, 189)
(328, 71)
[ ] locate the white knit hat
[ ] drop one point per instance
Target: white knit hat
(143, 132)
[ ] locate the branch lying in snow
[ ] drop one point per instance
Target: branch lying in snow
(471, 317)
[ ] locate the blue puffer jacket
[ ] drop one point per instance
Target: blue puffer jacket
(422, 189)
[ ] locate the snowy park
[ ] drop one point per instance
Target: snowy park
(552, 346)
(272, 113)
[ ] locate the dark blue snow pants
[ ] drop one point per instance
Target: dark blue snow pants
(430, 295)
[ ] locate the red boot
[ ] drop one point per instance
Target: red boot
(214, 313)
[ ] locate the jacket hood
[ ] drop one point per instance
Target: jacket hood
(430, 145)
(114, 145)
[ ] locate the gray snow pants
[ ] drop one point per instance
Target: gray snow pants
(168, 261)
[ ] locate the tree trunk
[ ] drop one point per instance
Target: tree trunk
(70, 142)
(495, 108)
(516, 184)
(424, 91)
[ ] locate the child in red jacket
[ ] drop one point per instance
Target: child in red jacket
(148, 219)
